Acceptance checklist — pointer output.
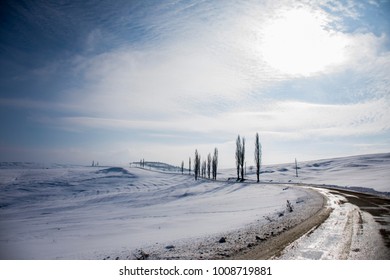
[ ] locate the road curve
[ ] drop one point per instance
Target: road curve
(351, 225)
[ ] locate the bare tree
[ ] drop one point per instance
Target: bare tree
(189, 166)
(296, 168)
(199, 166)
(238, 156)
(242, 158)
(215, 163)
(204, 167)
(196, 164)
(208, 165)
(182, 167)
(258, 155)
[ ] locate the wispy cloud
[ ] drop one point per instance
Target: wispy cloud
(288, 119)
(212, 69)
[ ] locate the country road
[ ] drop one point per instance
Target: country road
(357, 228)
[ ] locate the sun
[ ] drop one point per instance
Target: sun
(298, 42)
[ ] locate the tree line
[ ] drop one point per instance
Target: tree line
(240, 157)
(208, 167)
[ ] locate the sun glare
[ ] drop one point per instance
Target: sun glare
(297, 43)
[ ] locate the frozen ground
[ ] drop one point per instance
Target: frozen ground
(69, 212)
(82, 212)
(366, 173)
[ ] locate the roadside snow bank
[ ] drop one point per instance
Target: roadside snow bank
(236, 241)
(96, 213)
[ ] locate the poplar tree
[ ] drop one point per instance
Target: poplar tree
(238, 156)
(208, 165)
(242, 158)
(215, 163)
(196, 166)
(258, 155)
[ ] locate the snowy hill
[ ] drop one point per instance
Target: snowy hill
(366, 173)
(74, 212)
(158, 166)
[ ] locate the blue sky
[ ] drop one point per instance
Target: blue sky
(116, 81)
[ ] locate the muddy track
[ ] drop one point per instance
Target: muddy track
(273, 246)
(378, 207)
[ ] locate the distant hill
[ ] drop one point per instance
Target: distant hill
(161, 166)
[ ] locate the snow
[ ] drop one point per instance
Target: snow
(76, 212)
(81, 212)
(365, 173)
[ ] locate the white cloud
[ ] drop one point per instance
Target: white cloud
(218, 61)
(200, 77)
(128, 82)
(288, 120)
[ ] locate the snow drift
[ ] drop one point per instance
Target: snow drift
(74, 212)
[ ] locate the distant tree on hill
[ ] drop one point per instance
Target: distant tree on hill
(208, 165)
(189, 166)
(196, 165)
(258, 155)
(296, 168)
(182, 167)
(199, 165)
(238, 156)
(204, 168)
(215, 163)
(242, 158)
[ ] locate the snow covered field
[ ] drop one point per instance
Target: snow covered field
(365, 173)
(73, 212)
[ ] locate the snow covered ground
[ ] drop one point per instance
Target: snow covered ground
(73, 212)
(364, 173)
(84, 212)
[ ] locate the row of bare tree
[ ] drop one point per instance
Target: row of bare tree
(240, 157)
(204, 169)
(209, 166)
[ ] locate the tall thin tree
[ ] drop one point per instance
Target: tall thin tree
(296, 168)
(258, 155)
(238, 156)
(242, 158)
(189, 166)
(215, 163)
(196, 165)
(199, 165)
(208, 165)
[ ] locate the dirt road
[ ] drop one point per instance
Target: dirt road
(378, 207)
(351, 225)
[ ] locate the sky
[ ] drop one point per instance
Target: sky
(119, 81)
